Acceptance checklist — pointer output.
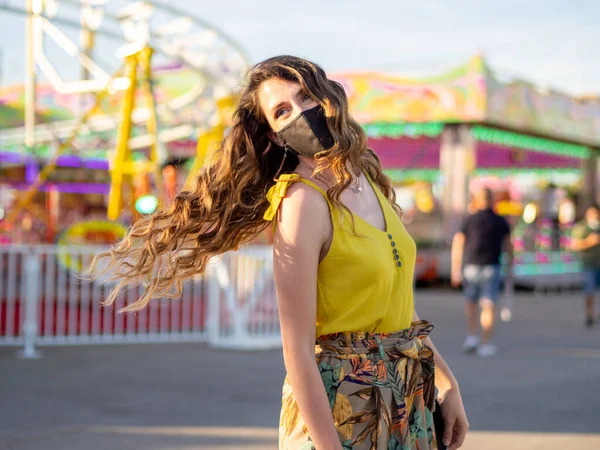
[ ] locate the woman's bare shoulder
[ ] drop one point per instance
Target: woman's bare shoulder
(303, 210)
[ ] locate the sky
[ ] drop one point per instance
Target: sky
(553, 43)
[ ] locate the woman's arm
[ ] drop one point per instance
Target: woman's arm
(455, 417)
(301, 231)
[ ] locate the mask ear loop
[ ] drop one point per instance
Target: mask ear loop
(286, 151)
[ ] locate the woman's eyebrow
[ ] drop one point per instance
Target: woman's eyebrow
(274, 109)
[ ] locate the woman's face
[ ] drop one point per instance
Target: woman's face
(281, 101)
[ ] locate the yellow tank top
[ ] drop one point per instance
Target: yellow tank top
(365, 283)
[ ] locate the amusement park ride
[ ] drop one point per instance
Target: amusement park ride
(147, 35)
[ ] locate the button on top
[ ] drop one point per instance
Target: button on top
(395, 250)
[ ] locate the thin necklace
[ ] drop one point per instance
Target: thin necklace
(357, 188)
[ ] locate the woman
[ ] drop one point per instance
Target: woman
(343, 264)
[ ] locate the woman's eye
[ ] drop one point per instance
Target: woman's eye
(280, 113)
(305, 97)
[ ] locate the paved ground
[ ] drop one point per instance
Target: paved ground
(540, 392)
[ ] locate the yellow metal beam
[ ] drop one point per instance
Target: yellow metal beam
(209, 141)
(152, 123)
(122, 153)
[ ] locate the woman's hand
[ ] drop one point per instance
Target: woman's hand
(456, 423)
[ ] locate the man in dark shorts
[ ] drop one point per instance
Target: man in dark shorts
(476, 256)
(586, 241)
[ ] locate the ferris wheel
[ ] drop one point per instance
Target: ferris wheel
(141, 74)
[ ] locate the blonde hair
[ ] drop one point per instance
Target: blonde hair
(225, 208)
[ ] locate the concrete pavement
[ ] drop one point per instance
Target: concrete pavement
(540, 391)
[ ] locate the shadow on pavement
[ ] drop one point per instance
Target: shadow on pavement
(539, 391)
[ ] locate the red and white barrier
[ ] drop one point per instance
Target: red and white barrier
(44, 301)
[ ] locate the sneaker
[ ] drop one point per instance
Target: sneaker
(486, 350)
(589, 322)
(471, 343)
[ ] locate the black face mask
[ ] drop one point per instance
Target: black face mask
(308, 133)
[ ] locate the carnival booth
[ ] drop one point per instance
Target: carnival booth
(442, 137)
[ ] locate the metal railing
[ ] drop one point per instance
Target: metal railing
(242, 304)
(44, 301)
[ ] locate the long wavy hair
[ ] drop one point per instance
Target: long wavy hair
(224, 210)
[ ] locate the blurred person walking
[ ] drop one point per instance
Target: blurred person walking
(476, 264)
(343, 265)
(586, 242)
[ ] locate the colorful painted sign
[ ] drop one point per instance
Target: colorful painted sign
(456, 97)
(471, 93)
(520, 106)
(90, 232)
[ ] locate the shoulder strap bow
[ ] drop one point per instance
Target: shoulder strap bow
(277, 193)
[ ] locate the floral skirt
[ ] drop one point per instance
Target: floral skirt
(380, 388)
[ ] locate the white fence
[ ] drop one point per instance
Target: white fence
(43, 301)
(242, 306)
